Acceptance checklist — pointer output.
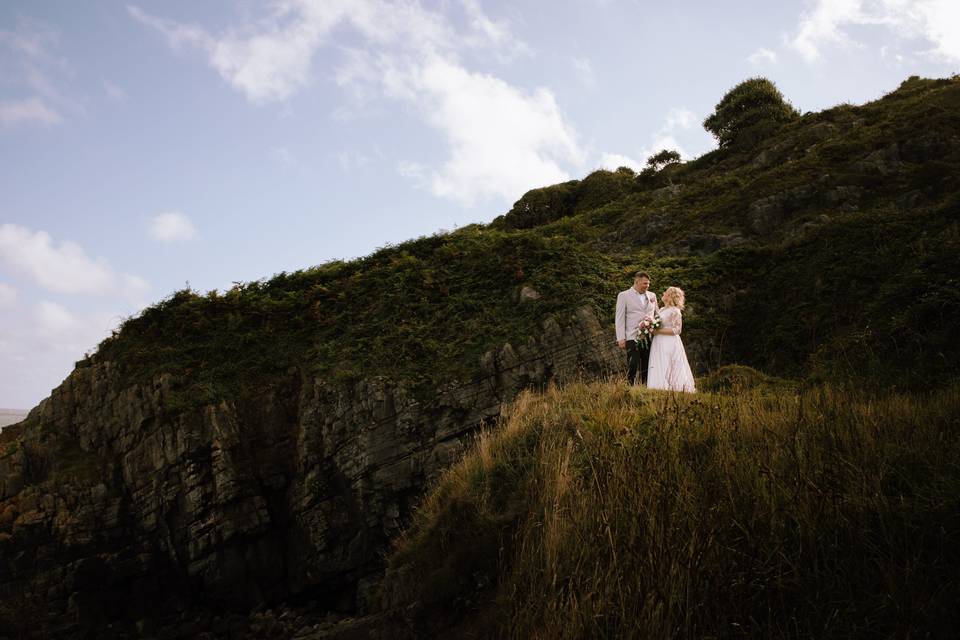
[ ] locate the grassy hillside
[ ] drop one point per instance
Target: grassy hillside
(819, 503)
(422, 311)
(597, 511)
(833, 240)
(825, 251)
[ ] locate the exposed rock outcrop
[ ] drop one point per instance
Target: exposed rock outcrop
(116, 504)
(883, 161)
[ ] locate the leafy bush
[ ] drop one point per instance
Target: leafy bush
(601, 187)
(540, 206)
(748, 113)
(661, 159)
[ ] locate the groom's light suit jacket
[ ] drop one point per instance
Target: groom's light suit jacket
(632, 307)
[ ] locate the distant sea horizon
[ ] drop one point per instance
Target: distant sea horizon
(11, 416)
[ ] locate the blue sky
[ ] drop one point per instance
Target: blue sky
(150, 144)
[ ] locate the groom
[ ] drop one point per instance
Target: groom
(633, 305)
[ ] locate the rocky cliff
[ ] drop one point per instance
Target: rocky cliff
(226, 452)
(114, 507)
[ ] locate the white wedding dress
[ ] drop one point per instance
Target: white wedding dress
(669, 368)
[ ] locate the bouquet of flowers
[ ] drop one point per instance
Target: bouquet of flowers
(646, 330)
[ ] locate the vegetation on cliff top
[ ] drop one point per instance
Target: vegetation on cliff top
(749, 113)
(823, 249)
(422, 311)
(597, 511)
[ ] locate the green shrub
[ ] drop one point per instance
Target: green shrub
(540, 206)
(662, 158)
(749, 113)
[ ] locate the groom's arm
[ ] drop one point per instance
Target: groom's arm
(620, 317)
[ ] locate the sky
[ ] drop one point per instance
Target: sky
(147, 146)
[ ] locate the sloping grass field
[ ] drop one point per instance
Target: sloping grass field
(600, 511)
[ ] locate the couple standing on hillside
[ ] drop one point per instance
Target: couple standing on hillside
(651, 336)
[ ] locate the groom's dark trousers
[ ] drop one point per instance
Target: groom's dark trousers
(638, 359)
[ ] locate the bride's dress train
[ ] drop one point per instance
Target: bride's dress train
(669, 368)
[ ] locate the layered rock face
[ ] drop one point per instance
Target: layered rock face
(115, 503)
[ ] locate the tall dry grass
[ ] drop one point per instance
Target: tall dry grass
(597, 511)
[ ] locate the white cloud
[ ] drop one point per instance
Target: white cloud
(584, 71)
(762, 56)
(613, 161)
(284, 157)
(8, 295)
(941, 25)
(679, 118)
(679, 121)
(28, 111)
(503, 139)
(935, 21)
(54, 319)
(351, 160)
(269, 61)
(661, 142)
(821, 25)
(28, 61)
(32, 40)
(179, 36)
(113, 92)
(893, 58)
(172, 226)
(39, 344)
(412, 170)
(487, 32)
(359, 74)
(133, 287)
(65, 268)
(67, 332)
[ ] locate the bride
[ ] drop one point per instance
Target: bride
(669, 368)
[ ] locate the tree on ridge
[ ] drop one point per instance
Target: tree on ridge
(748, 113)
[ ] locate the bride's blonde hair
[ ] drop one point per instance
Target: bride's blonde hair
(673, 297)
